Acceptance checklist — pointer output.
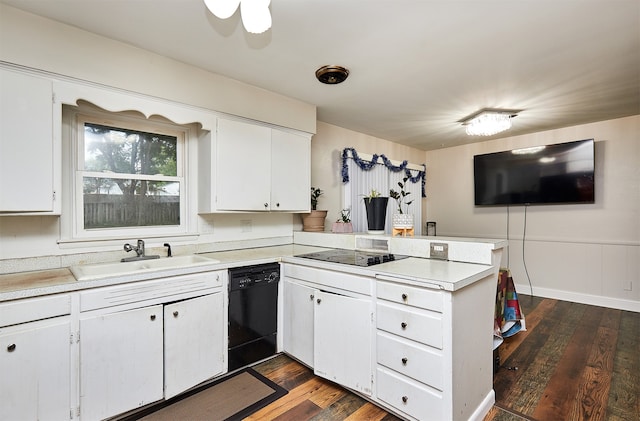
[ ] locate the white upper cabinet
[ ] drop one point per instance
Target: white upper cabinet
(250, 167)
(290, 172)
(27, 147)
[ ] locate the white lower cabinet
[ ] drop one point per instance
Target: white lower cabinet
(328, 329)
(164, 337)
(193, 332)
(120, 361)
(298, 321)
(35, 370)
(409, 345)
(342, 343)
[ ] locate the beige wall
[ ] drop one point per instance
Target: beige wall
(326, 158)
(43, 44)
(587, 253)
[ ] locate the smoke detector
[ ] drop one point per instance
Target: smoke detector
(332, 75)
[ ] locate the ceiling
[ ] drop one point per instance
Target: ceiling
(416, 67)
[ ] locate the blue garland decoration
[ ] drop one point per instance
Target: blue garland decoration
(367, 166)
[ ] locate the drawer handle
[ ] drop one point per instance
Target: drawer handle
(11, 348)
(153, 317)
(404, 361)
(405, 399)
(404, 297)
(403, 325)
(175, 313)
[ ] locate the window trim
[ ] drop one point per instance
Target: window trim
(72, 219)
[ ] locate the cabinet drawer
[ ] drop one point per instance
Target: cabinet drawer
(177, 287)
(430, 299)
(408, 396)
(421, 363)
(344, 281)
(32, 309)
(419, 325)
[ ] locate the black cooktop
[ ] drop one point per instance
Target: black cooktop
(352, 257)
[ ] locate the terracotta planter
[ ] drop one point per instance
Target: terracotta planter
(314, 221)
(376, 208)
(342, 227)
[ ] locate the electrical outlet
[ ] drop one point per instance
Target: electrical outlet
(245, 225)
(439, 251)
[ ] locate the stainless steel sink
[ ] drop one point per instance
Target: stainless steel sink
(109, 270)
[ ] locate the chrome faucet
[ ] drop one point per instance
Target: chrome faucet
(139, 249)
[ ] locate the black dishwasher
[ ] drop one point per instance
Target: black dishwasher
(253, 313)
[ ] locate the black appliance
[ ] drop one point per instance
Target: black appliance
(559, 173)
(253, 314)
(352, 257)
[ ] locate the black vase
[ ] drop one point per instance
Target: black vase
(376, 208)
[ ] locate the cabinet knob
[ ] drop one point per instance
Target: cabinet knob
(266, 205)
(404, 297)
(405, 399)
(153, 317)
(403, 325)
(277, 205)
(311, 297)
(404, 361)
(318, 300)
(11, 348)
(175, 313)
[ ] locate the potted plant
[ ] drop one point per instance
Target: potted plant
(376, 207)
(314, 221)
(343, 224)
(402, 219)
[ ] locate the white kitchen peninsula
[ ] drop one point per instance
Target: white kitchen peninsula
(432, 324)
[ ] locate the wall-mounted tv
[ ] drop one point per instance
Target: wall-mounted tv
(549, 174)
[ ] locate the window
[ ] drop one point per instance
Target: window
(380, 178)
(129, 176)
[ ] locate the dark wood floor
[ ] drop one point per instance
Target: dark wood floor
(574, 362)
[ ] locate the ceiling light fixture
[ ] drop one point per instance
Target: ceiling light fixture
(332, 75)
(256, 16)
(488, 121)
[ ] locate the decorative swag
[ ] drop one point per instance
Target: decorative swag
(368, 165)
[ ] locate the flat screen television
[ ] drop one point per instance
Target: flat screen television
(550, 174)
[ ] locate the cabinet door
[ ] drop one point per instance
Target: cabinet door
(342, 340)
(26, 143)
(298, 321)
(290, 172)
(194, 342)
(120, 362)
(243, 166)
(35, 371)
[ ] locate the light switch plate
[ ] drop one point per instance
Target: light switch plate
(439, 251)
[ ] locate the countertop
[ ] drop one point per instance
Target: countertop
(446, 275)
(53, 281)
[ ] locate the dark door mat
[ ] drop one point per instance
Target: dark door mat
(228, 399)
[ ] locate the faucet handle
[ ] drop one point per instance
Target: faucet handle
(128, 247)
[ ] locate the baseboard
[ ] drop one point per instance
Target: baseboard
(576, 297)
(485, 406)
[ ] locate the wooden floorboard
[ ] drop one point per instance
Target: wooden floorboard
(574, 362)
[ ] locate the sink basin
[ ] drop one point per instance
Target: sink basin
(109, 270)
